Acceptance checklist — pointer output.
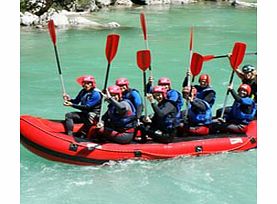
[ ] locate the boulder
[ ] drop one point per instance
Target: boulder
(112, 25)
(81, 21)
(104, 2)
(60, 19)
(28, 19)
(124, 2)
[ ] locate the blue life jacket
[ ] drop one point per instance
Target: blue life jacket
(238, 115)
(201, 93)
(118, 121)
(204, 118)
(134, 96)
(92, 99)
(176, 97)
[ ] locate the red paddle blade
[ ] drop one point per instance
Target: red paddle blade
(237, 54)
(143, 24)
(111, 46)
(196, 64)
(143, 59)
(208, 57)
(51, 28)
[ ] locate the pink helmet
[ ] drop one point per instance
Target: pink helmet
(86, 78)
(245, 87)
(114, 89)
(122, 82)
(164, 81)
(160, 89)
(205, 77)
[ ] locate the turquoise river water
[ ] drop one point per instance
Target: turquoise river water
(229, 178)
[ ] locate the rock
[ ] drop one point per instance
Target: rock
(43, 19)
(243, 4)
(60, 20)
(157, 2)
(81, 21)
(112, 25)
(124, 2)
(104, 2)
(181, 1)
(28, 19)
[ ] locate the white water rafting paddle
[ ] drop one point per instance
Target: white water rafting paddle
(143, 62)
(111, 50)
(210, 57)
(52, 32)
(188, 68)
(196, 65)
(144, 30)
(190, 55)
(195, 68)
(236, 59)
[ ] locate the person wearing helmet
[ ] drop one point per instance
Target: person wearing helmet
(131, 94)
(248, 75)
(197, 117)
(172, 94)
(241, 112)
(162, 127)
(204, 89)
(119, 120)
(88, 101)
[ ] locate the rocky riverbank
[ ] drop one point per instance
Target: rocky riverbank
(66, 13)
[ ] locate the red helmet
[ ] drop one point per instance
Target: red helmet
(245, 87)
(86, 78)
(205, 77)
(160, 89)
(122, 82)
(164, 81)
(114, 89)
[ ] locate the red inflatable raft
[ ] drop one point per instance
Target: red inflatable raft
(47, 139)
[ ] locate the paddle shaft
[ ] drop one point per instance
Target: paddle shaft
(145, 92)
(59, 68)
(147, 48)
(187, 101)
(107, 76)
(222, 56)
(190, 53)
(227, 93)
(188, 69)
(193, 77)
(105, 87)
(111, 49)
